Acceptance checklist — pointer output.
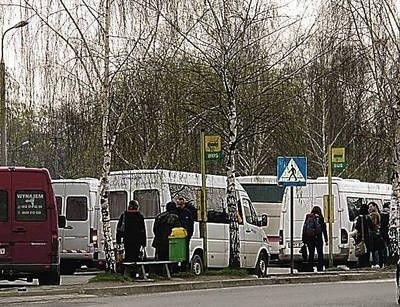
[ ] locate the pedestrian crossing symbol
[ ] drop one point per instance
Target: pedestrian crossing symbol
(292, 171)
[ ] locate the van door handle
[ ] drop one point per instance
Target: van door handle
(19, 229)
(68, 227)
(248, 230)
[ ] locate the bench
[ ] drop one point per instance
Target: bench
(142, 265)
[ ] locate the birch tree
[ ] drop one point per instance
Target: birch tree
(97, 68)
(235, 44)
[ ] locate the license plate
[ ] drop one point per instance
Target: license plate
(296, 244)
(2, 251)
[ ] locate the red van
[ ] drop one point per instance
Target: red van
(29, 245)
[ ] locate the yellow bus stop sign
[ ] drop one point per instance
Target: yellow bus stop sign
(213, 148)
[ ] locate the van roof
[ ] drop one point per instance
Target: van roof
(257, 179)
(93, 183)
(177, 177)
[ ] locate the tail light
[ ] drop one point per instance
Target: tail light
(54, 247)
(281, 237)
(344, 236)
(93, 237)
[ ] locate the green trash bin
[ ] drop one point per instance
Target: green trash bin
(177, 245)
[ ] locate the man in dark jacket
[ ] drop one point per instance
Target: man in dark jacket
(186, 219)
(162, 228)
(132, 231)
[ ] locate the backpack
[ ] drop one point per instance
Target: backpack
(312, 226)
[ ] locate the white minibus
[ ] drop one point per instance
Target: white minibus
(78, 201)
(266, 197)
(348, 196)
(154, 188)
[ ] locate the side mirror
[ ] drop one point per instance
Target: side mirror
(263, 220)
(61, 221)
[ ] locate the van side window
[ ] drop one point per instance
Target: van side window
(249, 212)
(149, 201)
(118, 202)
(59, 204)
(30, 206)
(354, 205)
(3, 206)
(77, 209)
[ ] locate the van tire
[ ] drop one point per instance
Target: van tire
(50, 278)
(67, 269)
(196, 265)
(262, 265)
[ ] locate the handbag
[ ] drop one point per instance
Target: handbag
(121, 227)
(303, 252)
(360, 247)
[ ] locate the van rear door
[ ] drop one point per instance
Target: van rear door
(77, 232)
(30, 227)
(5, 221)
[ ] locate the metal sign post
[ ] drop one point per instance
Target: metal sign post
(292, 171)
(203, 203)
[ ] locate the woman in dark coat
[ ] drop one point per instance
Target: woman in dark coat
(363, 222)
(317, 240)
(132, 230)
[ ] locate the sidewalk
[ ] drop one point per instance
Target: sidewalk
(195, 283)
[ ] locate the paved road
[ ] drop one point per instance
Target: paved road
(372, 293)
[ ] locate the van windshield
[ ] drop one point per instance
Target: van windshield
(264, 193)
(30, 206)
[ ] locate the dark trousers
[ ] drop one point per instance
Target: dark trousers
(162, 252)
(131, 252)
(312, 245)
(363, 260)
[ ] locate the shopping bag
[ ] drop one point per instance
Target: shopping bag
(360, 249)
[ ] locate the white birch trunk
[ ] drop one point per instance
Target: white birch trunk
(394, 219)
(234, 255)
(108, 143)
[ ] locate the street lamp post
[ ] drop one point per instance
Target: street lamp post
(14, 151)
(3, 107)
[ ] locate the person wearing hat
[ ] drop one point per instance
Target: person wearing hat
(162, 228)
(132, 231)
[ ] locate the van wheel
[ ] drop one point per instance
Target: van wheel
(67, 269)
(196, 265)
(51, 278)
(262, 265)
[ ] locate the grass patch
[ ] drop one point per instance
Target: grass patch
(227, 272)
(183, 274)
(107, 276)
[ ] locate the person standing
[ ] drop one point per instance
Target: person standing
(186, 219)
(162, 228)
(131, 231)
(377, 240)
(363, 227)
(314, 231)
(385, 215)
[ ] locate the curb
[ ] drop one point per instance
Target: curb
(172, 286)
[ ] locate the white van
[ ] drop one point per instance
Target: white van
(266, 196)
(78, 201)
(348, 195)
(154, 188)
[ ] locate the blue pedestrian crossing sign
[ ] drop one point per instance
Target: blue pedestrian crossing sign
(292, 171)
